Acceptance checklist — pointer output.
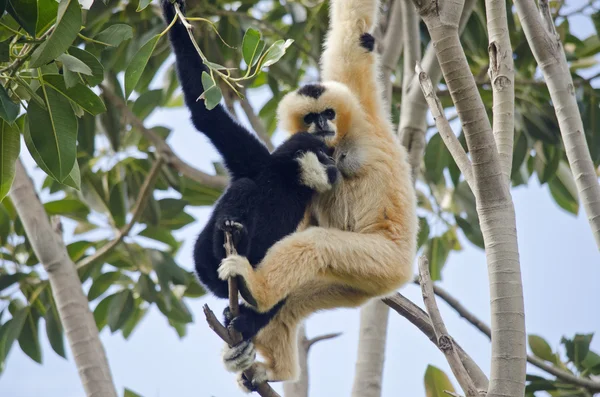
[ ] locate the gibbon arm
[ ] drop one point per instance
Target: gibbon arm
(371, 263)
(349, 56)
(242, 152)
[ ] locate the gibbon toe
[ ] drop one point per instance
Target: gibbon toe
(239, 357)
(233, 266)
(249, 386)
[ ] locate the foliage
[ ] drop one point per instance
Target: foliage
(59, 65)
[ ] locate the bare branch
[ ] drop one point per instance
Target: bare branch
(445, 341)
(163, 149)
(145, 192)
(316, 339)
(451, 141)
(420, 319)
(72, 304)
(392, 49)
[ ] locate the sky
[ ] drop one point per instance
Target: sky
(560, 271)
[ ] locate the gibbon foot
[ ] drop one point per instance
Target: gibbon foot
(239, 357)
(233, 266)
(249, 386)
(169, 8)
(246, 323)
(367, 41)
(235, 229)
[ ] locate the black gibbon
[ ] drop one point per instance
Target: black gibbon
(361, 241)
(268, 192)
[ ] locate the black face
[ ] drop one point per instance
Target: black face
(319, 120)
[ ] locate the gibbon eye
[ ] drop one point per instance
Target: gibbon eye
(310, 118)
(329, 114)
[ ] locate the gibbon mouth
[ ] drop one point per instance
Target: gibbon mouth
(324, 133)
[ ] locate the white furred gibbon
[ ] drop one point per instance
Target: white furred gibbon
(358, 240)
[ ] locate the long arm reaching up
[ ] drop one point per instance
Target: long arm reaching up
(242, 152)
(349, 56)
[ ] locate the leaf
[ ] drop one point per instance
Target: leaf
(13, 329)
(133, 321)
(102, 283)
(29, 338)
(212, 93)
(6, 280)
(47, 12)
(437, 382)
(65, 206)
(423, 235)
(541, 348)
(471, 230)
(275, 52)
(147, 103)
(564, 190)
(592, 362)
(436, 159)
(80, 94)
(143, 4)
(25, 13)
(581, 344)
(147, 288)
(68, 23)
(53, 133)
(437, 252)
(74, 64)
(120, 309)
(115, 34)
(92, 62)
(54, 331)
(74, 178)
(137, 65)
(129, 393)
(252, 46)
(8, 109)
(10, 148)
(101, 312)
(5, 51)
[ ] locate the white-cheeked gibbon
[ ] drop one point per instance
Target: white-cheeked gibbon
(359, 239)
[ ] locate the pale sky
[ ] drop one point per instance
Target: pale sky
(560, 268)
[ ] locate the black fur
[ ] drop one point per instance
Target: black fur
(367, 41)
(312, 90)
(265, 195)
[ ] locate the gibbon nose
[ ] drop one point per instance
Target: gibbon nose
(321, 123)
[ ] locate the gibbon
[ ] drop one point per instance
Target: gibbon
(268, 193)
(364, 241)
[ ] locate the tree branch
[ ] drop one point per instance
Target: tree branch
(316, 339)
(392, 49)
(72, 304)
(444, 340)
(437, 111)
(136, 212)
(256, 122)
(420, 319)
(162, 148)
(548, 52)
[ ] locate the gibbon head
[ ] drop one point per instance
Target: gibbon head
(323, 109)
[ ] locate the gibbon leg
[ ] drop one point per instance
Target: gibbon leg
(349, 52)
(277, 342)
(371, 263)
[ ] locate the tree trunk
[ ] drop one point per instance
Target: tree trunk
(300, 387)
(72, 304)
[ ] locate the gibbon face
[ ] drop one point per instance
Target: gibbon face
(323, 109)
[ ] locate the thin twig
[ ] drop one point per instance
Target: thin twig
(450, 139)
(445, 341)
(145, 191)
(311, 342)
(485, 329)
(264, 389)
(163, 149)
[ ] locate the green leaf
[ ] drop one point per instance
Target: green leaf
(120, 309)
(212, 93)
(133, 321)
(592, 362)
(67, 27)
(275, 52)
(194, 289)
(80, 94)
(147, 289)
(53, 133)
(92, 62)
(5, 51)
(581, 344)
(115, 34)
(437, 382)
(29, 338)
(74, 64)
(437, 252)
(74, 178)
(160, 234)
(102, 283)
(143, 4)
(436, 159)
(54, 331)
(25, 13)
(137, 65)
(47, 12)
(146, 103)
(423, 235)
(8, 109)
(129, 393)
(252, 46)
(167, 270)
(101, 311)
(6, 280)
(541, 348)
(65, 206)
(13, 329)
(471, 230)
(564, 190)
(10, 148)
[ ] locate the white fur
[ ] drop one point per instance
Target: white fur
(233, 266)
(260, 376)
(313, 173)
(239, 357)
